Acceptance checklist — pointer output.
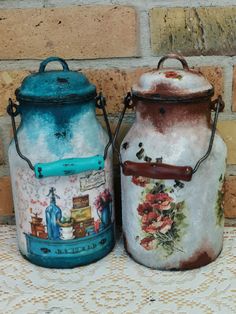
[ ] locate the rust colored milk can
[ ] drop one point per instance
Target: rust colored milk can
(172, 170)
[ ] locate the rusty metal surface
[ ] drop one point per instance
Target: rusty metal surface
(173, 83)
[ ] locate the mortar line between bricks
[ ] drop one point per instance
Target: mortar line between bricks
(231, 170)
(144, 34)
(228, 85)
(132, 62)
(141, 4)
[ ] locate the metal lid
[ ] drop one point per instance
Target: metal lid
(62, 86)
(173, 84)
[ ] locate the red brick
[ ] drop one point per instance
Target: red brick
(230, 197)
(6, 202)
(227, 129)
(9, 81)
(215, 75)
(78, 32)
(114, 83)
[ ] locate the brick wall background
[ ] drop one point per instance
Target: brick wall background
(113, 42)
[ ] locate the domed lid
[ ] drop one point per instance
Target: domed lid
(61, 86)
(171, 84)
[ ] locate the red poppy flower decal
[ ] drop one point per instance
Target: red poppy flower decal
(173, 75)
(160, 218)
(160, 201)
(148, 243)
(140, 181)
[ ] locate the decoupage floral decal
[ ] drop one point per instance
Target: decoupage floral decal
(141, 181)
(162, 219)
(173, 75)
(102, 200)
(102, 204)
(220, 203)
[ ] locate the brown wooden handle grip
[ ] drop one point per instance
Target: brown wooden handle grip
(157, 171)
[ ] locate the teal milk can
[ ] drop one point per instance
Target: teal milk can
(61, 169)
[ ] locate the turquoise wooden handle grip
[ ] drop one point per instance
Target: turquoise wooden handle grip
(67, 167)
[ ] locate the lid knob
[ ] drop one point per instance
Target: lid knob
(173, 56)
(61, 86)
(172, 84)
(44, 63)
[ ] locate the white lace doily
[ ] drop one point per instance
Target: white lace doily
(115, 284)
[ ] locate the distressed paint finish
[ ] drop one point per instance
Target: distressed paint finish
(194, 31)
(63, 220)
(113, 82)
(172, 83)
(31, 194)
(173, 224)
(178, 146)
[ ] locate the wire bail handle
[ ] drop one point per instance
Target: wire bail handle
(216, 105)
(101, 104)
(13, 111)
(127, 105)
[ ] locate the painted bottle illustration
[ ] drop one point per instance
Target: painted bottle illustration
(53, 214)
